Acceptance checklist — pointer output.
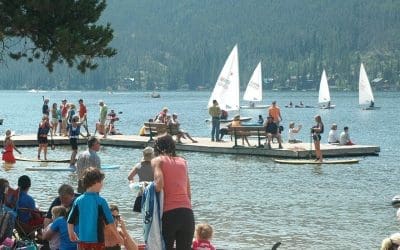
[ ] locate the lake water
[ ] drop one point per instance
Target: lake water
(250, 201)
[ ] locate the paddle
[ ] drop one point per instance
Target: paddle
(52, 140)
(311, 141)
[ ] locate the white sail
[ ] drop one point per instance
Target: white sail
(365, 95)
(324, 96)
(226, 90)
(254, 90)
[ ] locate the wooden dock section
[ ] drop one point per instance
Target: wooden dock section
(297, 150)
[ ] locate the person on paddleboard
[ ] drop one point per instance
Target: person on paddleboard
(316, 131)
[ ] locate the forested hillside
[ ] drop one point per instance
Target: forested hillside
(178, 44)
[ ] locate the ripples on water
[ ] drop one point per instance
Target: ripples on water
(251, 201)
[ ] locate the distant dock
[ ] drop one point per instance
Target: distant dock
(204, 145)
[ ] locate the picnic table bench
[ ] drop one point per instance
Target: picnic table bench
(253, 130)
(157, 128)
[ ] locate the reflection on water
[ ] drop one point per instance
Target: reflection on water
(251, 201)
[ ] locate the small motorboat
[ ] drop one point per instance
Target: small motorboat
(155, 95)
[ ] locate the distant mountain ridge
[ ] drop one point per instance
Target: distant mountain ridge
(183, 44)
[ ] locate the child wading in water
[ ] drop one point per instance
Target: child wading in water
(203, 234)
(8, 155)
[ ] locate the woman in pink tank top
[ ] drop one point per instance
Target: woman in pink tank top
(171, 176)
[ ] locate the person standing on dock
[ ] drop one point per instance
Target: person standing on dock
(74, 130)
(45, 107)
(275, 112)
(86, 159)
(215, 113)
(316, 131)
(43, 131)
(83, 116)
(64, 115)
(103, 118)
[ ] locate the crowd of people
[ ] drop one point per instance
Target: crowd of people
(85, 220)
(273, 129)
(172, 123)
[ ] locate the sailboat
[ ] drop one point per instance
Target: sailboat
(324, 98)
(254, 90)
(226, 90)
(365, 96)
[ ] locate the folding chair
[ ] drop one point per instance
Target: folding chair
(23, 231)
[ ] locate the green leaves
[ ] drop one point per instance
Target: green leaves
(63, 30)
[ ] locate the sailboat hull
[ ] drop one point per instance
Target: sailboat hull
(255, 107)
(242, 119)
(371, 108)
(326, 107)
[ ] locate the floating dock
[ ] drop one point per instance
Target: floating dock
(205, 145)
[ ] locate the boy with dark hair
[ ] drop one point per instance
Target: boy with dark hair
(25, 201)
(91, 213)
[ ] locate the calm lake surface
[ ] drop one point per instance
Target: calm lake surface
(250, 201)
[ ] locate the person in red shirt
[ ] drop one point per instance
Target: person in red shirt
(64, 115)
(83, 116)
(203, 235)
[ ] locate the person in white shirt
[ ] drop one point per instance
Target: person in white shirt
(345, 137)
(292, 131)
(333, 136)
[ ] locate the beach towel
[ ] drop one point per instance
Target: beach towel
(152, 209)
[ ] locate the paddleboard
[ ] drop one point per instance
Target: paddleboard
(242, 119)
(302, 161)
(65, 169)
(36, 160)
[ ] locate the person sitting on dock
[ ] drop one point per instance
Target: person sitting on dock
(237, 123)
(333, 136)
(162, 116)
(260, 120)
(174, 125)
(292, 132)
(272, 131)
(345, 137)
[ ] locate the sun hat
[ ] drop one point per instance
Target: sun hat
(148, 154)
(236, 117)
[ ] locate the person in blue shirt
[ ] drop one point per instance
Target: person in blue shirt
(91, 213)
(26, 204)
(57, 232)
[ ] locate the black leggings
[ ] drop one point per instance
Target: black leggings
(178, 224)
